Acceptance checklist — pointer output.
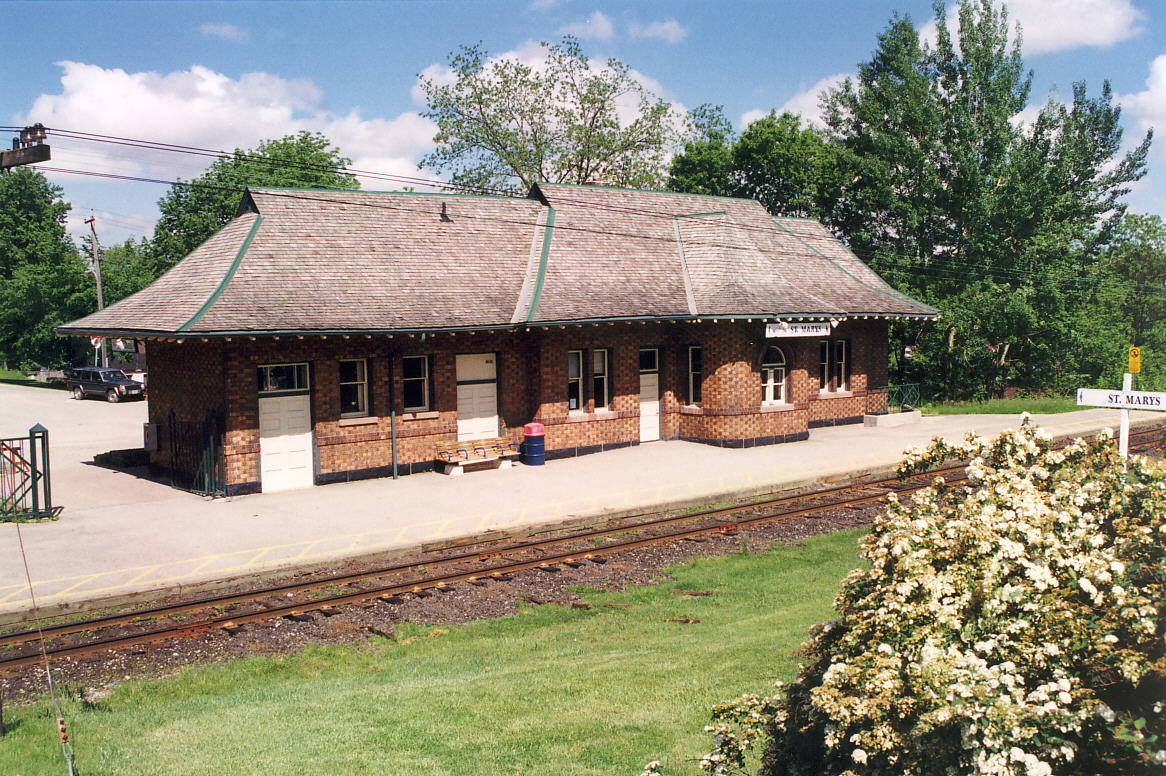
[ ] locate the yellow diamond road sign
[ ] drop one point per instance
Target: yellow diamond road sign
(1135, 361)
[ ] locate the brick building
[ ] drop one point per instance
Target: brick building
(326, 336)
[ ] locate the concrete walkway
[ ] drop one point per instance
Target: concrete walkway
(121, 537)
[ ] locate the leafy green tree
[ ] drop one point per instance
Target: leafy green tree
(504, 125)
(706, 164)
(125, 269)
(953, 200)
(194, 210)
(788, 168)
(42, 279)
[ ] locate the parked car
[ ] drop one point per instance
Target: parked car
(102, 381)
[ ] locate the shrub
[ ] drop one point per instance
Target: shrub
(1011, 625)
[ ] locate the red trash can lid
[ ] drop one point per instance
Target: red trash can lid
(534, 429)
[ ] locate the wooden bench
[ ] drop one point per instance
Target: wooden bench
(455, 457)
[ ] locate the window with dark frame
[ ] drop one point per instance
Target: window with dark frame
(599, 384)
(833, 365)
(774, 386)
(415, 383)
(695, 373)
(574, 379)
(353, 388)
(282, 378)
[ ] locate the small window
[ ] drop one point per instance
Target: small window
(841, 366)
(834, 365)
(695, 373)
(353, 388)
(283, 378)
(774, 387)
(649, 360)
(415, 383)
(574, 379)
(599, 379)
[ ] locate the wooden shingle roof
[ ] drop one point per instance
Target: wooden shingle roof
(327, 261)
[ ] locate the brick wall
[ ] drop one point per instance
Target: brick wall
(196, 378)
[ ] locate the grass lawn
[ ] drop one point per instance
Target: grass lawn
(550, 690)
(1038, 405)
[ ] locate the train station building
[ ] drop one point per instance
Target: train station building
(325, 336)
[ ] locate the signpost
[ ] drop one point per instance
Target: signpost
(1125, 400)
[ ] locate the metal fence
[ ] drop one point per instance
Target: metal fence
(197, 459)
(893, 398)
(25, 490)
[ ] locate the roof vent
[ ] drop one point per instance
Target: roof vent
(445, 219)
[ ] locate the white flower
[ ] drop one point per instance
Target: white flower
(1105, 712)
(859, 756)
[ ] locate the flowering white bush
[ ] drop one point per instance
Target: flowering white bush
(1012, 625)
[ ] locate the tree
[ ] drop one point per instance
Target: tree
(125, 269)
(788, 168)
(503, 124)
(194, 210)
(1008, 626)
(947, 192)
(42, 279)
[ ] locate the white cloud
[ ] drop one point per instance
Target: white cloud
(805, 102)
(595, 27)
(1148, 108)
(670, 31)
(1063, 25)
(748, 117)
(224, 31)
(206, 109)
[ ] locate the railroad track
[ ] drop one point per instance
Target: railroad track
(475, 565)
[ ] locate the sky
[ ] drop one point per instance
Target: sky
(225, 75)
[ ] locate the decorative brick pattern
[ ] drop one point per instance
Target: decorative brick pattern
(197, 379)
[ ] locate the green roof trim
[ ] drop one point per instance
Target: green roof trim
(227, 277)
(702, 215)
(548, 233)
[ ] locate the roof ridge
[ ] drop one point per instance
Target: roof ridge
(689, 296)
(748, 237)
(530, 275)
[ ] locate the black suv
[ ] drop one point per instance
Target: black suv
(104, 381)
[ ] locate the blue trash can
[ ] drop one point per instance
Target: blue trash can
(534, 450)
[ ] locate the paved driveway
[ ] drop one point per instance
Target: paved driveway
(78, 430)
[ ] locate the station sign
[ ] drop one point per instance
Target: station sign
(1121, 400)
(797, 330)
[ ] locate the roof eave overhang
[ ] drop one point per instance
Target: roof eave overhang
(147, 334)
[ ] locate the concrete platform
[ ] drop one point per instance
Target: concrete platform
(122, 537)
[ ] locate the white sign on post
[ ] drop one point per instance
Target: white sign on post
(1125, 400)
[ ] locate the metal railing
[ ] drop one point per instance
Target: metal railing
(197, 457)
(892, 398)
(25, 490)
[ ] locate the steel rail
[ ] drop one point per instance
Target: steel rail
(421, 585)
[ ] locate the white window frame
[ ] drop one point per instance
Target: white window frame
(600, 378)
(576, 381)
(362, 386)
(301, 379)
(841, 366)
(424, 379)
(695, 386)
(774, 390)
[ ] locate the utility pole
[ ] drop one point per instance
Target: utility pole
(92, 221)
(29, 148)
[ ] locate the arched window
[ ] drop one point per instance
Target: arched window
(774, 384)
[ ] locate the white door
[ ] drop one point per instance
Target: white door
(649, 395)
(477, 396)
(285, 443)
